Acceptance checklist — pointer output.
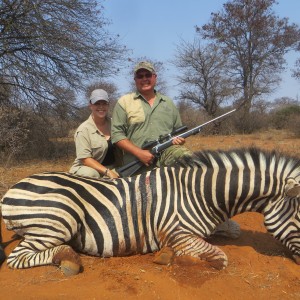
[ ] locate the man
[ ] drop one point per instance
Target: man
(144, 116)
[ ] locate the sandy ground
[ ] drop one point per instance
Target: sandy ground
(259, 267)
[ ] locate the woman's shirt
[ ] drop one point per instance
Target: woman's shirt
(90, 142)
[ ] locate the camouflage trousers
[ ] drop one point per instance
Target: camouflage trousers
(168, 157)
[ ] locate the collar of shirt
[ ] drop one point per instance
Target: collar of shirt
(159, 96)
(93, 126)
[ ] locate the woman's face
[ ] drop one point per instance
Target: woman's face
(100, 108)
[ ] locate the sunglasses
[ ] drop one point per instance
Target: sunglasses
(141, 76)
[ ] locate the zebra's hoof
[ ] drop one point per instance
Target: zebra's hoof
(164, 257)
(218, 264)
(69, 268)
(216, 259)
(68, 261)
(187, 260)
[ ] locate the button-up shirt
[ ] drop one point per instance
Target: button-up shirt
(134, 119)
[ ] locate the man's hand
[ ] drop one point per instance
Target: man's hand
(178, 140)
(145, 156)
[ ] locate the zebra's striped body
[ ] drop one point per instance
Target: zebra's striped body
(170, 207)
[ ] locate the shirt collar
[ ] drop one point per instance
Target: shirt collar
(92, 124)
(138, 95)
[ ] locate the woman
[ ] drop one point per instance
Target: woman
(94, 150)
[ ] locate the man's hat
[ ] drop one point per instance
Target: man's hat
(97, 95)
(144, 65)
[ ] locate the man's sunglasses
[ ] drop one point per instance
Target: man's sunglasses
(141, 76)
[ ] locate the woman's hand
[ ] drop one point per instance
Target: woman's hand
(112, 175)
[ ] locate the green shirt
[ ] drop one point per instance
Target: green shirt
(89, 142)
(134, 119)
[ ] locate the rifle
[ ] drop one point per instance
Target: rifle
(163, 143)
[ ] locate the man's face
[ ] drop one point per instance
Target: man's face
(144, 80)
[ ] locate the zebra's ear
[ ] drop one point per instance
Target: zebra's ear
(292, 188)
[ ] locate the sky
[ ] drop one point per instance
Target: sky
(153, 29)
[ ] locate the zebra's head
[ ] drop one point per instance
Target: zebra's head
(282, 218)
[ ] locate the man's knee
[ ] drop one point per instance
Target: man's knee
(172, 154)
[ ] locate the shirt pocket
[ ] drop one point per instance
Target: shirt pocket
(98, 146)
(135, 113)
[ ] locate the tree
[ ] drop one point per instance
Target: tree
(109, 87)
(23, 135)
(283, 115)
(279, 103)
(47, 46)
(203, 75)
(256, 41)
(296, 71)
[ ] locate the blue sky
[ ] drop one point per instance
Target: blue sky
(154, 28)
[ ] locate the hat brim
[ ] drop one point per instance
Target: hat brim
(93, 101)
(144, 68)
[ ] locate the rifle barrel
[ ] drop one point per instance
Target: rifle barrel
(132, 167)
(158, 148)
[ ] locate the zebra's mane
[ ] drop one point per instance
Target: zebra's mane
(207, 157)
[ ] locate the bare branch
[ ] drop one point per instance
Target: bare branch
(203, 75)
(256, 41)
(48, 45)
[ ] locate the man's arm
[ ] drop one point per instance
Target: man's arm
(145, 156)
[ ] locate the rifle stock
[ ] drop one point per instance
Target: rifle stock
(160, 145)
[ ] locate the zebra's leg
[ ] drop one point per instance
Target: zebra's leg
(191, 247)
(68, 261)
(229, 228)
(32, 253)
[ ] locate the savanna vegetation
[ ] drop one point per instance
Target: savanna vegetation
(235, 61)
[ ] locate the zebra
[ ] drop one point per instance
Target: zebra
(170, 211)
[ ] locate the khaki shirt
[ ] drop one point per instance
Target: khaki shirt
(89, 142)
(134, 119)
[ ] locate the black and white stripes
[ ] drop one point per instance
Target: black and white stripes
(170, 207)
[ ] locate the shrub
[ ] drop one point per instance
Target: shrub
(281, 117)
(23, 135)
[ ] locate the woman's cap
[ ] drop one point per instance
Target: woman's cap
(98, 95)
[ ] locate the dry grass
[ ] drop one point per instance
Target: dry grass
(271, 140)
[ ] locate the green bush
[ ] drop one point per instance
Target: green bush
(281, 117)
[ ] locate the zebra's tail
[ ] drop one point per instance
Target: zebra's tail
(2, 253)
